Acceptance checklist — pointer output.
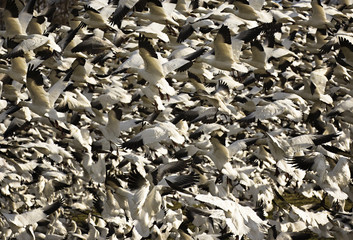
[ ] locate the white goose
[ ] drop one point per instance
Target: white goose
(111, 131)
(153, 137)
(96, 18)
(16, 22)
(223, 57)
(251, 10)
(220, 155)
(18, 69)
(43, 101)
(157, 13)
(21, 221)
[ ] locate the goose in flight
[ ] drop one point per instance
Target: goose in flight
(94, 18)
(16, 22)
(33, 42)
(18, 69)
(318, 18)
(94, 44)
(223, 57)
(42, 101)
(146, 188)
(152, 137)
(111, 131)
(314, 87)
(345, 56)
(218, 97)
(251, 10)
(220, 154)
(153, 71)
(158, 12)
(21, 221)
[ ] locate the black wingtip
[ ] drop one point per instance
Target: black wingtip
(225, 33)
(12, 8)
(118, 112)
(135, 180)
(133, 144)
(258, 45)
(185, 32)
(54, 206)
(145, 44)
(89, 8)
(35, 74)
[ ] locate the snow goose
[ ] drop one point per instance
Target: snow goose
(94, 44)
(314, 87)
(343, 110)
(74, 100)
(345, 58)
(251, 10)
(187, 30)
(157, 13)
(39, 22)
(274, 109)
(18, 69)
(220, 155)
(318, 18)
(16, 22)
(31, 43)
(259, 58)
(154, 72)
(96, 19)
(43, 101)
(122, 10)
(145, 201)
(111, 131)
(241, 220)
(70, 40)
(223, 58)
(218, 97)
(81, 72)
(153, 137)
(333, 181)
(199, 113)
(18, 221)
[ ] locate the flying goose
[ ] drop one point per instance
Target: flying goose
(318, 18)
(154, 72)
(187, 30)
(18, 221)
(157, 13)
(251, 10)
(223, 57)
(94, 44)
(42, 101)
(314, 87)
(94, 18)
(74, 100)
(145, 198)
(273, 109)
(334, 181)
(241, 220)
(16, 22)
(220, 155)
(345, 57)
(18, 69)
(70, 41)
(343, 110)
(153, 137)
(218, 97)
(33, 42)
(111, 131)
(39, 22)
(259, 58)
